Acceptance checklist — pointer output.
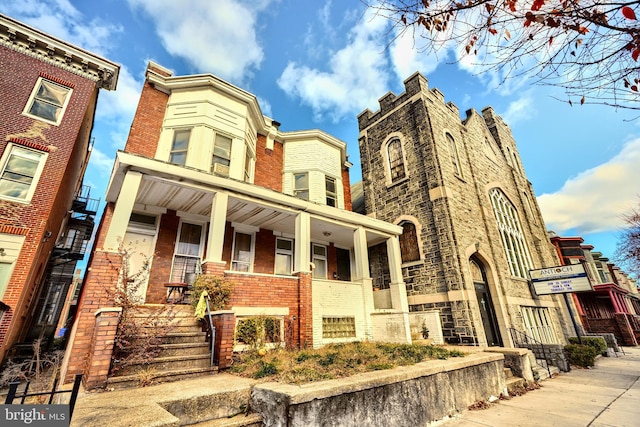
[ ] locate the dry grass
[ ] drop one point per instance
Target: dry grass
(333, 361)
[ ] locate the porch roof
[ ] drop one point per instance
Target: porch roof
(187, 190)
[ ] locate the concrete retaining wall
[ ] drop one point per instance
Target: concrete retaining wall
(405, 396)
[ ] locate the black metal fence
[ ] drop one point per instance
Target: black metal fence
(14, 394)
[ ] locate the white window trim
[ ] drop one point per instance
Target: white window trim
(253, 249)
(212, 168)
(511, 233)
(36, 177)
(308, 188)
(285, 252)
(325, 258)
(32, 97)
(186, 150)
(200, 248)
(335, 192)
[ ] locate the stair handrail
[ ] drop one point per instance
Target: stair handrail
(515, 334)
(211, 330)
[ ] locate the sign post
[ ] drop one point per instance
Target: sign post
(562, 279)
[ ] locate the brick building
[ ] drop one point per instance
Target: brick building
(49, 90)
(472, 229)
(613, 305)
(207, 183)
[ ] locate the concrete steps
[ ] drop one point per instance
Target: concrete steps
(540, 373)
(183, 351)
(514, 384)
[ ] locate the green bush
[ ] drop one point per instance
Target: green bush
(258, 330)
(580, 355)
(218, 288)
(598, 343)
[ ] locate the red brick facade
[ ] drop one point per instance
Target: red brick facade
(67, 147)
(147, 122)
(269, 164)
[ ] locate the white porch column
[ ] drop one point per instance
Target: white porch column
(217, 224)
(122, 211)
(303, 243)
(397, 286)
(398, 289)
(361, 256)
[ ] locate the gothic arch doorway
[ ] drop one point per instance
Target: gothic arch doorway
(485, 303)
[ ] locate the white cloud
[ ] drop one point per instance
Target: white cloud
(596, 199)
(100, 162)
(521, 109)
(219, 38)
(407, 57)
(120, 104)
(61, 19)
(355, 78)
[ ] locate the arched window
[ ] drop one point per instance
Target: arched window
(409, 249)
(511, 233)
(454, 155)
(396, 160)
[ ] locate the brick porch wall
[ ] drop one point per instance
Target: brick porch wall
(225, 324)
(102, 342)
(101, 277)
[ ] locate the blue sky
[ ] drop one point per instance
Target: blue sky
(319, 64)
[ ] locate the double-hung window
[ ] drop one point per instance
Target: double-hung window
(330, 187)
(221, 155)
(188, 252)
(319, 254)
(180, 147)
(284, 256)
(21, 169)
(301, 185)
(242, 252)
(48, 101)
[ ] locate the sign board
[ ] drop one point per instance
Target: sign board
(560, 279)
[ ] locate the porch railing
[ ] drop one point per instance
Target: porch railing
(520, 339)
(211, 331)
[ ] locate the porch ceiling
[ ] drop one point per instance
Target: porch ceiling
(198, 201)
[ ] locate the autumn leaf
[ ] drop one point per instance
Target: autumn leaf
(582, 101)
(507, 34)
(403, 19)
(493, 31)
(628, 13)
(550, 40)
(634, 88)
(635, 54)
(537, 5)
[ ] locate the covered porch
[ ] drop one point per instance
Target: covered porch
(272, 246)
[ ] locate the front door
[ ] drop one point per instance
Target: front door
(139, 246)
(344, 264)
(487, 311)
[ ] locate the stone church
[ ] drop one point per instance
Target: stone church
(472, 228)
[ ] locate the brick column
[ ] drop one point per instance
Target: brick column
(225, 324)
(99, 360)
(213, 268)
(100, 281)
(305, 310)
(628, 337)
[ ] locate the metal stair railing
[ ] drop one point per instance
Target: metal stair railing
(211, 331)
(520, 339)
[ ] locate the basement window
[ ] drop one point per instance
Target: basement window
(338, 327)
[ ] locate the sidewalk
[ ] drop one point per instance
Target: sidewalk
(607, 395)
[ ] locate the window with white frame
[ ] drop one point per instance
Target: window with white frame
(330, 189)
(48, 101)
(511, 234)
(538, 325)
(319, 259)
(395, 160)
(188, 252)
(455, 160)
(6, 269)
(301, 185)
(284, 256)
(21, 169)
(180, 146)
(221, 155)
(247, 166)
(242, 256)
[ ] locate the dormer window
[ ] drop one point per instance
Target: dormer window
(221, 155)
